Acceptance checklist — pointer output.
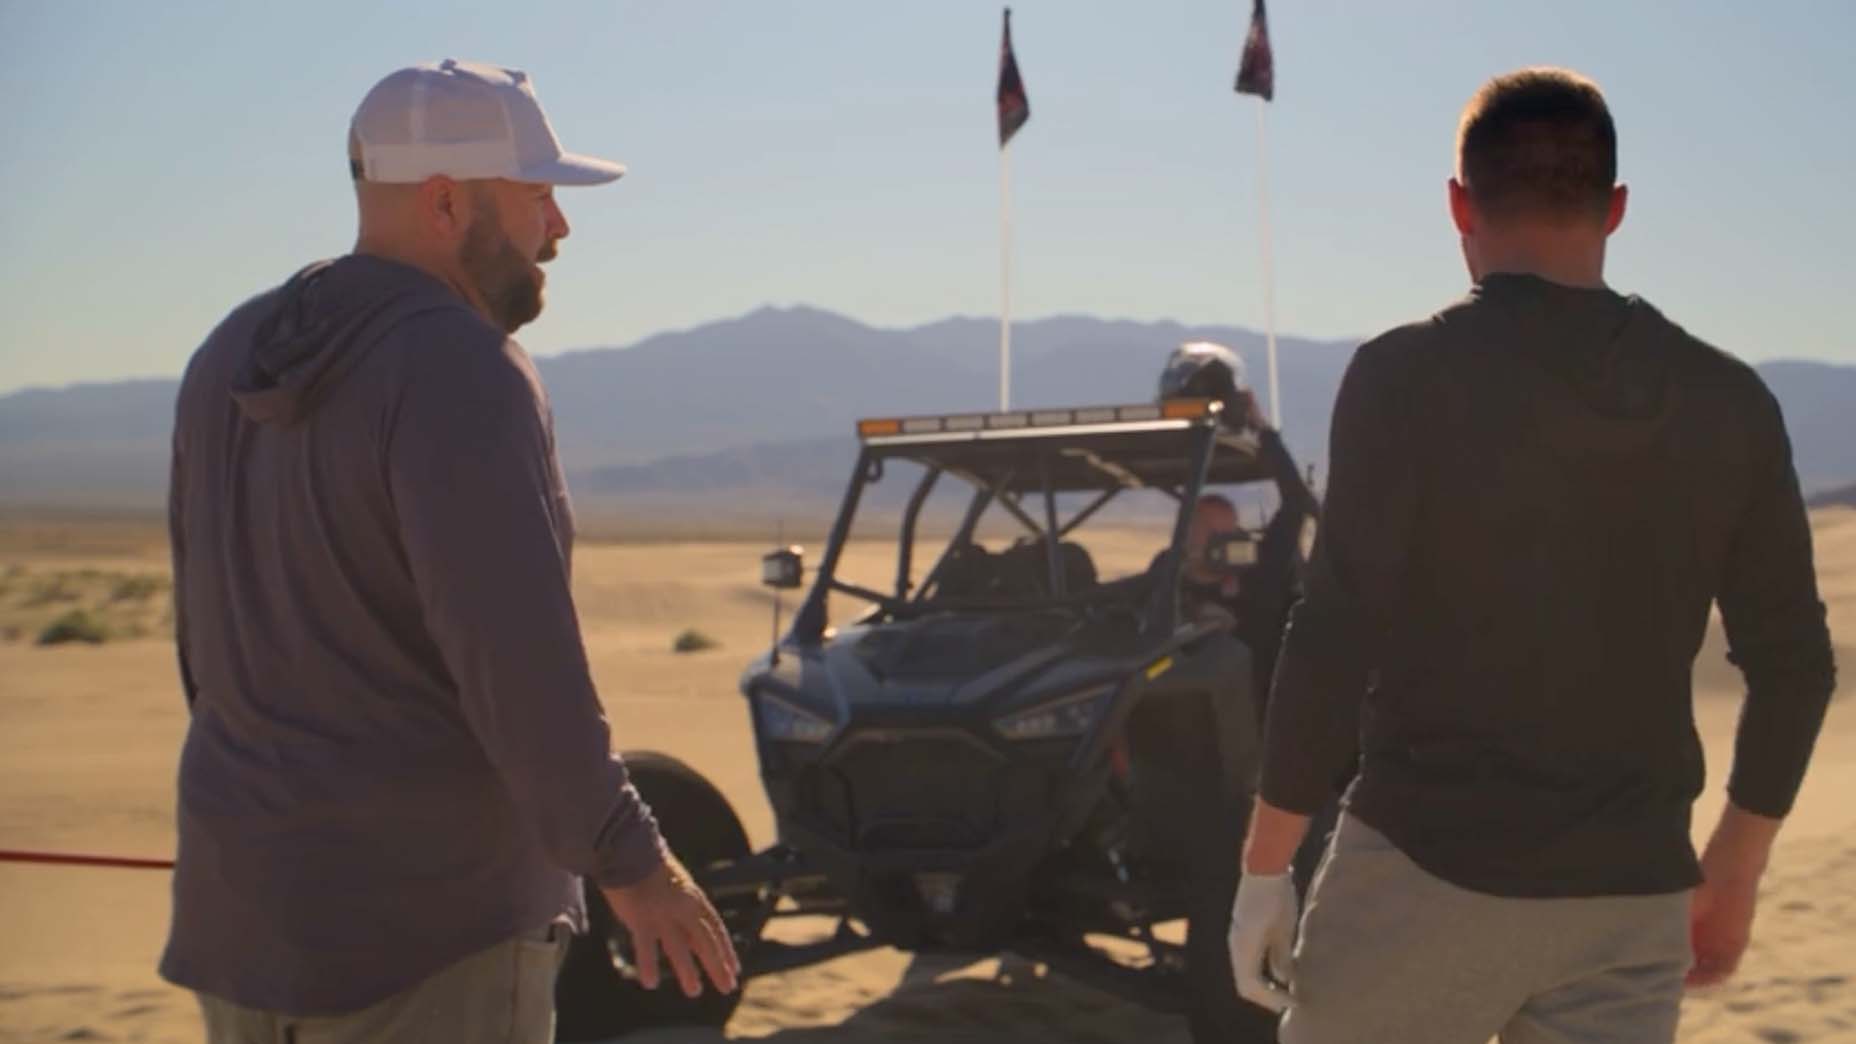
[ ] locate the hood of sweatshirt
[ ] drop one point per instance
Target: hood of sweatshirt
(319, 323)
(1605, 347)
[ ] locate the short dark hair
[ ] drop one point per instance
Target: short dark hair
(1538, 142)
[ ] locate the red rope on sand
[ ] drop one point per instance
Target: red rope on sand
(65, 859)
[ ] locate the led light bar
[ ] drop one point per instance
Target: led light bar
(1017, 420)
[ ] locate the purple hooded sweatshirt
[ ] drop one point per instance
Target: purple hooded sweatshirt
(396, 756)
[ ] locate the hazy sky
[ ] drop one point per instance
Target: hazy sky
(162, 161)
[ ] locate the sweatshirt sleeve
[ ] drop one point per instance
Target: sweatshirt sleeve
(1276, 551)
(475, 489)
(1312, 730)
(177, 549)
(1775, 627)
(1291, 488)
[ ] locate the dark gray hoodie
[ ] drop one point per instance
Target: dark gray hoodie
(396, 756)
(1534, 497)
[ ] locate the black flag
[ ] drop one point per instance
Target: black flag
(1256, 74)
(1014, 107)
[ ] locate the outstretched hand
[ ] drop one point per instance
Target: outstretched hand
(666, 913)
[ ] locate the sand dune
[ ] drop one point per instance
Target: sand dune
(88, 738)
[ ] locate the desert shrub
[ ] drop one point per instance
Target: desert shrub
(139, 588)
(78, 625)
(693, 640)
(45, 590)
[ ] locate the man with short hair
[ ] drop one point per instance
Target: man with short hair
(1534, 497)
(1206, 587)
(397, 768)
(1259, 601)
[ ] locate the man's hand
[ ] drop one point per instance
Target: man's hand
(1721, 911)
(1262, 939)
(1720, 924)
(667, 913)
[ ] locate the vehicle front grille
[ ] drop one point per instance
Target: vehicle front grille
(911, 790)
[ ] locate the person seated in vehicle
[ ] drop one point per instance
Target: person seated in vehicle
(1208, 592)
(1268, 588)
(1258, 598)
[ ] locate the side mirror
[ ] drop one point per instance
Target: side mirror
(785, 569)
(1231, 551)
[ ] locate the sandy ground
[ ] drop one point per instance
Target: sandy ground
(88, 738)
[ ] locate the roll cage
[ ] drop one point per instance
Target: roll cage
(1023, 461)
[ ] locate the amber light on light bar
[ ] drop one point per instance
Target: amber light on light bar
(1186, 409)
(880, 426)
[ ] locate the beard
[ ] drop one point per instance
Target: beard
(505, 280)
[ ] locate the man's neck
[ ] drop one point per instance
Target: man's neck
(446, 274)
(1555, 258)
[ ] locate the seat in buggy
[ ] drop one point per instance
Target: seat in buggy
(1019, 573)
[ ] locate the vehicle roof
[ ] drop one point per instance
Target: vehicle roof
(1083, 448)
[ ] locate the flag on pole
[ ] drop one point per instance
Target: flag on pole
(1256, 74)
(1014, 107)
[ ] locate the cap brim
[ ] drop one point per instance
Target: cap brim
(573, 169)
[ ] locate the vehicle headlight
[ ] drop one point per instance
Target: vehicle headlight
(1060, 718)
(783, 720)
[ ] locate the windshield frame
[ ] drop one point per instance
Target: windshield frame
(907, 597)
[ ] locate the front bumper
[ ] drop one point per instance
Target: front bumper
(932, 834)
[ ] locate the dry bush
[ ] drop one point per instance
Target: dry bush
(78, 625)
(692, 640)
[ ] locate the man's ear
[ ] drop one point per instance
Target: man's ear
(444, 207)
(1614, 214)
(1462, 210)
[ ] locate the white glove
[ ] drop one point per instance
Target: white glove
(1262, 939)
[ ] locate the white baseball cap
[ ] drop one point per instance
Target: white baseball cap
(465, 120)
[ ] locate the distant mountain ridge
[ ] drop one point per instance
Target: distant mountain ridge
(767, 401)
(778, 375)
(1840, 496)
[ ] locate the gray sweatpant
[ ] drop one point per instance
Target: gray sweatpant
(502, 995)
(1391, 954)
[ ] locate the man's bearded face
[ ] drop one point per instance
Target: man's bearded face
(508, 282)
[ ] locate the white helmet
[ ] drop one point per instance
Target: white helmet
(1203, 370)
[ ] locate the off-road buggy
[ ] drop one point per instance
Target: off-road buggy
(1004, 752)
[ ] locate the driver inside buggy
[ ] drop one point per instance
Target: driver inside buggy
(1253, 596)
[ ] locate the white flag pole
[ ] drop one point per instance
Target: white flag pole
(1269, 275)
(1005, 277)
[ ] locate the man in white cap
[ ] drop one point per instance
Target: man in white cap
(397, 769)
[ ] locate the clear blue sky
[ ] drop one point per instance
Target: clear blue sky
(164, 160)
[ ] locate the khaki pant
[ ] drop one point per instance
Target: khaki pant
(1390, 954)
(502, 995)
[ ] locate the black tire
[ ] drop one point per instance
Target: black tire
(1218, 1015)
(1195, 819)
(597, 996)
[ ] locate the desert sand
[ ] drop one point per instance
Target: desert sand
(89, 737)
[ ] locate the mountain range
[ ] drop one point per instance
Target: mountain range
(767, 401)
